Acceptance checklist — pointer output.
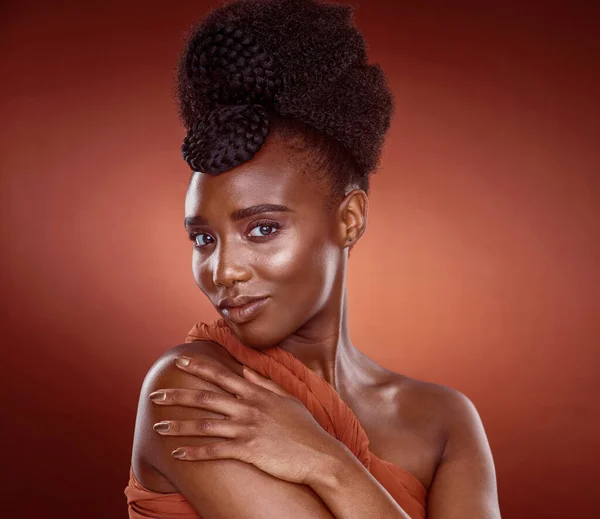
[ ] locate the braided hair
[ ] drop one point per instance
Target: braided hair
(297, 68)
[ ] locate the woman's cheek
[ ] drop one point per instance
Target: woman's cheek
(286, 260)
(198, 270)
(203, 275)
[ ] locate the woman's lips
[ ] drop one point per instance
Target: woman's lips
(242, 314)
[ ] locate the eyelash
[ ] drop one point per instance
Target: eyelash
(265, 223)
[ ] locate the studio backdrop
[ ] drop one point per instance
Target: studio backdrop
(484, 227)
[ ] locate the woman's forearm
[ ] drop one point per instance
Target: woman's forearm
(351, 492)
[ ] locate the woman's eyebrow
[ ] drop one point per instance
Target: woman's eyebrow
(240, 214)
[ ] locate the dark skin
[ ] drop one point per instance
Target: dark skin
(298, 258)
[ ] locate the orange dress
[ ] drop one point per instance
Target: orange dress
(321, 400)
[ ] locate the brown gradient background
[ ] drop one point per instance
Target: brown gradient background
(479, 269)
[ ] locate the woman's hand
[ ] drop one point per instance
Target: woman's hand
(264, 425)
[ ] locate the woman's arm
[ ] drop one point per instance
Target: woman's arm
(217, 489)
(464, 484)
(351, 492)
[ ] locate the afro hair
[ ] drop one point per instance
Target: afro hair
(294, 67)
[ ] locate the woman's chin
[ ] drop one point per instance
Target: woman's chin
(258, 334)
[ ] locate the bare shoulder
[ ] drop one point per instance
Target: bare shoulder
(450, 411)
(164, 374)
(436, 405)
(423, 415)
(462, 479)
(215, 488)
(163, 368)
(438, 411)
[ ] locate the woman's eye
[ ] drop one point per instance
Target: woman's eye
(263, 229)
(198, 240)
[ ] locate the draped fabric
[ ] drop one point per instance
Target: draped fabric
(321, 400)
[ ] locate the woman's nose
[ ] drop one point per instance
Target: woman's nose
(229, 266)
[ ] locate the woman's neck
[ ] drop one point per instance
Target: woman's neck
(323, 345)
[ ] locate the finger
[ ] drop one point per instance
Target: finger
(267, 383)
(205, 427)
(218, 450)
(214, 372)
(201, 399)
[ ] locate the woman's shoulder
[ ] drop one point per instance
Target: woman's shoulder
(418, 420)
(431, 394)
(447, 420)
(164, 374)
(430, 405)
(164, 365)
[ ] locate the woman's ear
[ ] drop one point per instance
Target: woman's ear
(353, 217)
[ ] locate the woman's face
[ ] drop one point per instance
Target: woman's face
(292, 257)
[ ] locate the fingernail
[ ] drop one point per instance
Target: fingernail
(178, 453)
(161, 426)
(182, 362)
(246, 368)
(158, 396)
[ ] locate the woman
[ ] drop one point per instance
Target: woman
(286, 120)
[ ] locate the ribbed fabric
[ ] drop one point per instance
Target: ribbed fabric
(321, 400)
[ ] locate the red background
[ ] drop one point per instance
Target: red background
(484, 226)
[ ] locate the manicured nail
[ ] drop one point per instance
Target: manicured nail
(182, 362)
(161, 426)
(178, 453)
(158, 396)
